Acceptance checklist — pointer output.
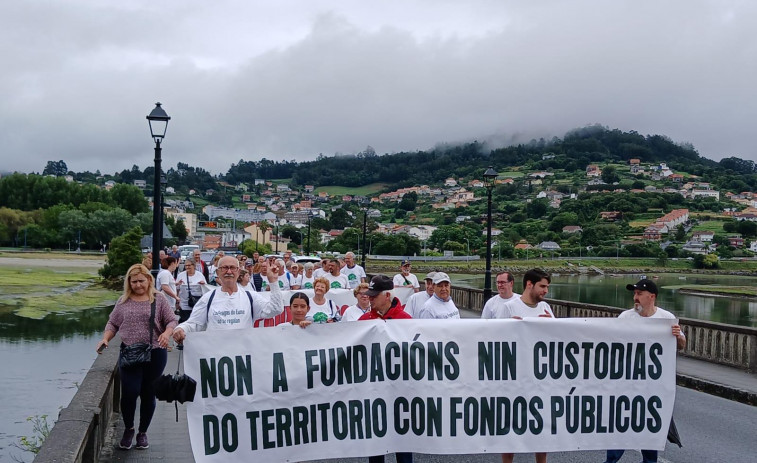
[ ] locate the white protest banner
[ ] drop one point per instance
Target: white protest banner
(431, 386)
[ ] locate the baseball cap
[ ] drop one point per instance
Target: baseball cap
(249, 263)
(379, 284)
(405, 262)
(441, 276)
(643, 285)
(430, 276)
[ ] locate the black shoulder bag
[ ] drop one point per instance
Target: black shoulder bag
(191, 298)
(139, 353)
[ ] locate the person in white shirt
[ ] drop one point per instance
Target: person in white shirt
(363, 305)
(529, 304)
(644, 306)
(295, 277)
(308, 276)
(335, 277)
(440, 305)
(190, 281)
(319, 303)
(355, 273)
(245, 283)
(415, 302)
(505, 282)
(323, 269)
(166, 283)
(228, 307)
(405, 278)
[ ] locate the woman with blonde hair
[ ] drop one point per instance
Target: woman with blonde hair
(141, 319)
(363, 304)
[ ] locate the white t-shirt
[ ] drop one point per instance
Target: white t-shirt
(295, 280)
(415, 303)
(439, 309)
(660, 313)
(399, 280)
(491, 306)
(329, 307)
(353, 275)
(194, 287)
(338, 282)
(232, 311)
(307, 283)
(518, 308)
(319, 272)
(166, 278)
(353, 313)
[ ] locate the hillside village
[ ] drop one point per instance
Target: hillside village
(279, 204)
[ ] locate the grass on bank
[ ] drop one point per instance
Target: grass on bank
(335, 190)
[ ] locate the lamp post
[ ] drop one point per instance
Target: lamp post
(365, 227)
(158, 120)
(276, 222)
(489, 176)
(310, 216)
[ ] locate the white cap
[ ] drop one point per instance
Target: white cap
(441, 276)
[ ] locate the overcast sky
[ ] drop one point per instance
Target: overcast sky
(291, 79)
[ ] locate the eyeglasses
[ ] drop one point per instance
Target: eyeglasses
(228, 268)
(503, 282)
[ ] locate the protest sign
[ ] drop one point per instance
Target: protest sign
(431, 386)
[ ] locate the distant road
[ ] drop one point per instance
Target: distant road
(42, 260)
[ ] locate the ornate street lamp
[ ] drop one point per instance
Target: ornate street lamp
(489, 176)
(158, 120)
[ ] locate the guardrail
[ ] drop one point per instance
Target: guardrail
(720, 343)
(81, 428)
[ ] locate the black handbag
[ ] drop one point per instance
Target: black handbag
(191, 298)
(138, 353)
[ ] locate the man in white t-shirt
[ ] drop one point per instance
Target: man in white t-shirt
(505, 282)
(440, 305)
(355, 273)
(529, 304)
(229, 307)
(415, 302)
(644, 306)
(335, 277)
(405, 278)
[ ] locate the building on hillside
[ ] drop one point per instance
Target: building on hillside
(548, 246)
(593, 170)
(611, 216)
(703, 236)
(570, 229)
(141, 184)
(695, 247)
(450, 182)
(706, 194)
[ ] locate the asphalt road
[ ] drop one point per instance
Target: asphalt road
(713, 430)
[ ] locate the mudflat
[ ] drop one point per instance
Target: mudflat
(55, 261)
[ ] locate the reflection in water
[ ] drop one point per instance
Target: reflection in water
(53, 327)
(697, 306)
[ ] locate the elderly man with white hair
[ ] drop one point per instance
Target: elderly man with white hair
(440, 305)
(231, 307)
(355, 273)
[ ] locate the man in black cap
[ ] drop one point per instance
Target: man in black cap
(405, 279)
(644, 306)
(384, 306)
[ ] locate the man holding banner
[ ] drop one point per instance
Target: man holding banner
(232, 308)
(644, 306)
(529, 304)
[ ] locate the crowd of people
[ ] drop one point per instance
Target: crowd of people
(184, 307)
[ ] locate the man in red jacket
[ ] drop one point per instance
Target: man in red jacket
(384, 306)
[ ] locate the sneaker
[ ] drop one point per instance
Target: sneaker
(126, 440)
(142, 441)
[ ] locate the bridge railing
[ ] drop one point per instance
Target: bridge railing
(81, 429)
(714, 342)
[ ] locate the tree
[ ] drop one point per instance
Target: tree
(129, 197)
(609, 175)
(58, 169)
(123, 252)
(340, 219)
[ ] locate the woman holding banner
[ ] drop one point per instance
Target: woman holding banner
(299, 305)
(363, 304)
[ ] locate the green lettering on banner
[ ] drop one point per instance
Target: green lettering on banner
(279, 373)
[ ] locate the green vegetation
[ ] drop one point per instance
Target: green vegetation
(37, 292)
(334, 190)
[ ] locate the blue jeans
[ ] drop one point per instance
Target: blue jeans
(648, 456)
(402, 457)
(137, 382)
